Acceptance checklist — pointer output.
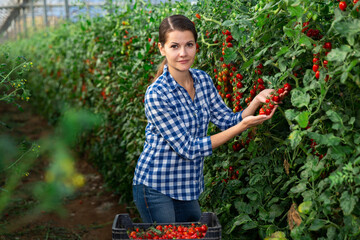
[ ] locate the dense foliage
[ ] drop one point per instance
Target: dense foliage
(297, 174)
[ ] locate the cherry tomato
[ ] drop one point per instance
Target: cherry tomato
(327, 45)
(342, 5)
(287, 87)
(315, 67)
(317, 74)
(260, 81)
(275, 98)
(239, 76)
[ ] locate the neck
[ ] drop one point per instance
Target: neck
(183, 78)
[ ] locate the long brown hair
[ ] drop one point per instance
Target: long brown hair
(169, 24)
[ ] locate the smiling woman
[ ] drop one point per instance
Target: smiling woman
(179, 105)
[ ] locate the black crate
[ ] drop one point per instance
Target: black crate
(122, 223)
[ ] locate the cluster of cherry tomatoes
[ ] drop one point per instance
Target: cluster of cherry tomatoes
(225, 81)
(317, 63)
(311, 33)
(232, 174)
(278, 96)
(258, 85)
(170, 231)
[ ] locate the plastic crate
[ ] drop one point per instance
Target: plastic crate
(122, 223)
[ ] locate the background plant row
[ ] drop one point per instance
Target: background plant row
(297, 173)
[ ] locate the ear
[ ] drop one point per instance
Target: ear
(161, 48)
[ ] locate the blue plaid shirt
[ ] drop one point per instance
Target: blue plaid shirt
(176, 134)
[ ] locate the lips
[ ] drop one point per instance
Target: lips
(183, 61)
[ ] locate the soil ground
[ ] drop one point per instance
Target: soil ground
(89, 212)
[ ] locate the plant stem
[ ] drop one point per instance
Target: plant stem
(208, 44)
(12, 72)
(211, 20)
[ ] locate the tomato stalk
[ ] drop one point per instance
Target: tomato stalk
(208, 44)
(20, 65)
(210, 20)
(320, 101)
(243, 56)
(296, 79)
(9, 95)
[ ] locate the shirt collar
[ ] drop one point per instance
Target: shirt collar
(171, 81)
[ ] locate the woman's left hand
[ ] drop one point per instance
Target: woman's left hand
(263, 95)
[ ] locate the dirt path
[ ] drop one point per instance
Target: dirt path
(90, 211)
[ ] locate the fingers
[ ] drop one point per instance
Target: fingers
(273, 111)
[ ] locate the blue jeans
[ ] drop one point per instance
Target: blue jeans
(155, 207)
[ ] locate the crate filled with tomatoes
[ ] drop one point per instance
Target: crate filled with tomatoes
(208, 228)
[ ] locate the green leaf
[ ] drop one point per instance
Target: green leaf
(348, 27)
(317, 224)
(282, 64)
(303, 119)
(247, 64)
(255, 179)
(147, 67)
(331, 233)
(227, 23)
(301, 187)
(236, 33)
(339, 54)
(290, 32)
(305, 40)
(249, 225)
(336, 119)
(340, 153)
(282, 51)
(357, 138)
(295, 11)
(243, 207)
(343, 77)
(253, 196)
(291, 114)
(275, 211)
(230, 55)
(327, 139)
(295, 138)
(300, 99)
(347, 202)
(237, 221)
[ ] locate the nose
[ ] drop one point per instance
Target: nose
(183, 51)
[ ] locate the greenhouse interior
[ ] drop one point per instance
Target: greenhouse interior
(179, 119)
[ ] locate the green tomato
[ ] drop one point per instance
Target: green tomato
(305, 207)
(314, 17)
(278, 234)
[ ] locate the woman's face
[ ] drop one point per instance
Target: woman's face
(179, 50)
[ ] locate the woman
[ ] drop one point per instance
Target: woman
(179, 105)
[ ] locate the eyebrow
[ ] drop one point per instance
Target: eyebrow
(186, 42)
